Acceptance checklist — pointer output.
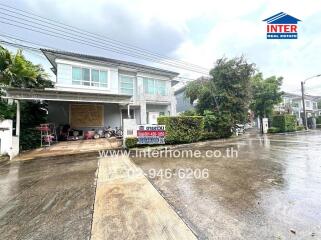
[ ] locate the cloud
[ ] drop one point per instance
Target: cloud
(295, 60)
(195, 31)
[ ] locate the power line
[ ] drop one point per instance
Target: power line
(75, 29)
(92, 44)
(37, 50)
(187, 79)
(179, 64)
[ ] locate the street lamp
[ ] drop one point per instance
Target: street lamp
(303, 101)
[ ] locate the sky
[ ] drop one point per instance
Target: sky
(199, 32)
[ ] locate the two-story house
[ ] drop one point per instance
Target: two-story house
(93, 92)
(292, 104)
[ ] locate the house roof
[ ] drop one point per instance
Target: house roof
(299, 96)
(282, 18)
(52, 94)
(51, 55)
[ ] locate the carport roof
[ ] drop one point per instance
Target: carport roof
(52, 94)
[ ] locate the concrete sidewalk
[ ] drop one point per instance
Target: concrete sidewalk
(127, 206)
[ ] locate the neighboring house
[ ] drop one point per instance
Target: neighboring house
(292, 104)
(183, 103)
(93, 92)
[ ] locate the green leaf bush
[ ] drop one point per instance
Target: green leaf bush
(285, 123)
(131, 142)
(299, 128)
(217, 125)
(182, 129)
(273, 130)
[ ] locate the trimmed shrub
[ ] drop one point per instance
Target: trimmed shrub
(210, 135)
(286, 123)
(131, 142)
(188, 113)
(217, 124)
(299, 128)
(273, 130)
(182, 129)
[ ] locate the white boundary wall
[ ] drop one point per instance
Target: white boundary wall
(8, 144)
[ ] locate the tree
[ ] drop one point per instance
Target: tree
(17, 71)
(227, 92)
(266, 93)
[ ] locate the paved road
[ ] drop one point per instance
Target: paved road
(48, 198)
(272, 190)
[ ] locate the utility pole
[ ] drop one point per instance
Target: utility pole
(304, 111)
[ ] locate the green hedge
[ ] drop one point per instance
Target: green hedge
(285, 123)
(131, 142)
(318, 122)
(273, 130)
(182, 129)
(217, 125)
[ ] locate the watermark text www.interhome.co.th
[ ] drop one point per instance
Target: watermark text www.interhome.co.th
(171, 153)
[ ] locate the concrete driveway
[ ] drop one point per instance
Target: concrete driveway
(49, 198)
(272, 190)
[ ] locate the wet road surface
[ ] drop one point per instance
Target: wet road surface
(271, 190)
(48, 198)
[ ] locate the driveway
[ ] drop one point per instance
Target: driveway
(272, 190)
(49, 198)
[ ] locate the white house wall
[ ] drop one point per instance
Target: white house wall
(6, 137)
(64, 77)
(145, 102)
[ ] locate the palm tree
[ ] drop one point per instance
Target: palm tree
(17, 71)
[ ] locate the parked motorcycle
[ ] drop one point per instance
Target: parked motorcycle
(109, 132)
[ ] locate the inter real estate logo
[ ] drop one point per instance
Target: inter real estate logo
(282, 26)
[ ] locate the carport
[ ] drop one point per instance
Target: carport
(108, 107)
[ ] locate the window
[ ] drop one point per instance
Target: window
(80, 76)
(295, 104)
(154, 87)
(127, 84)
(99, 78)
(308, 104)
(89, 77)
(160, 87)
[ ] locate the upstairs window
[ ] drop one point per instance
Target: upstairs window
(127, 84)
(89, 77)
(308, 103)
(154, 87)
(99, 78)
(80, 76)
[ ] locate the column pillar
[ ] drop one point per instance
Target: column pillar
(18, 118)
(143, 116)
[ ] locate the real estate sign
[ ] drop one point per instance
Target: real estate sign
(151, 134)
